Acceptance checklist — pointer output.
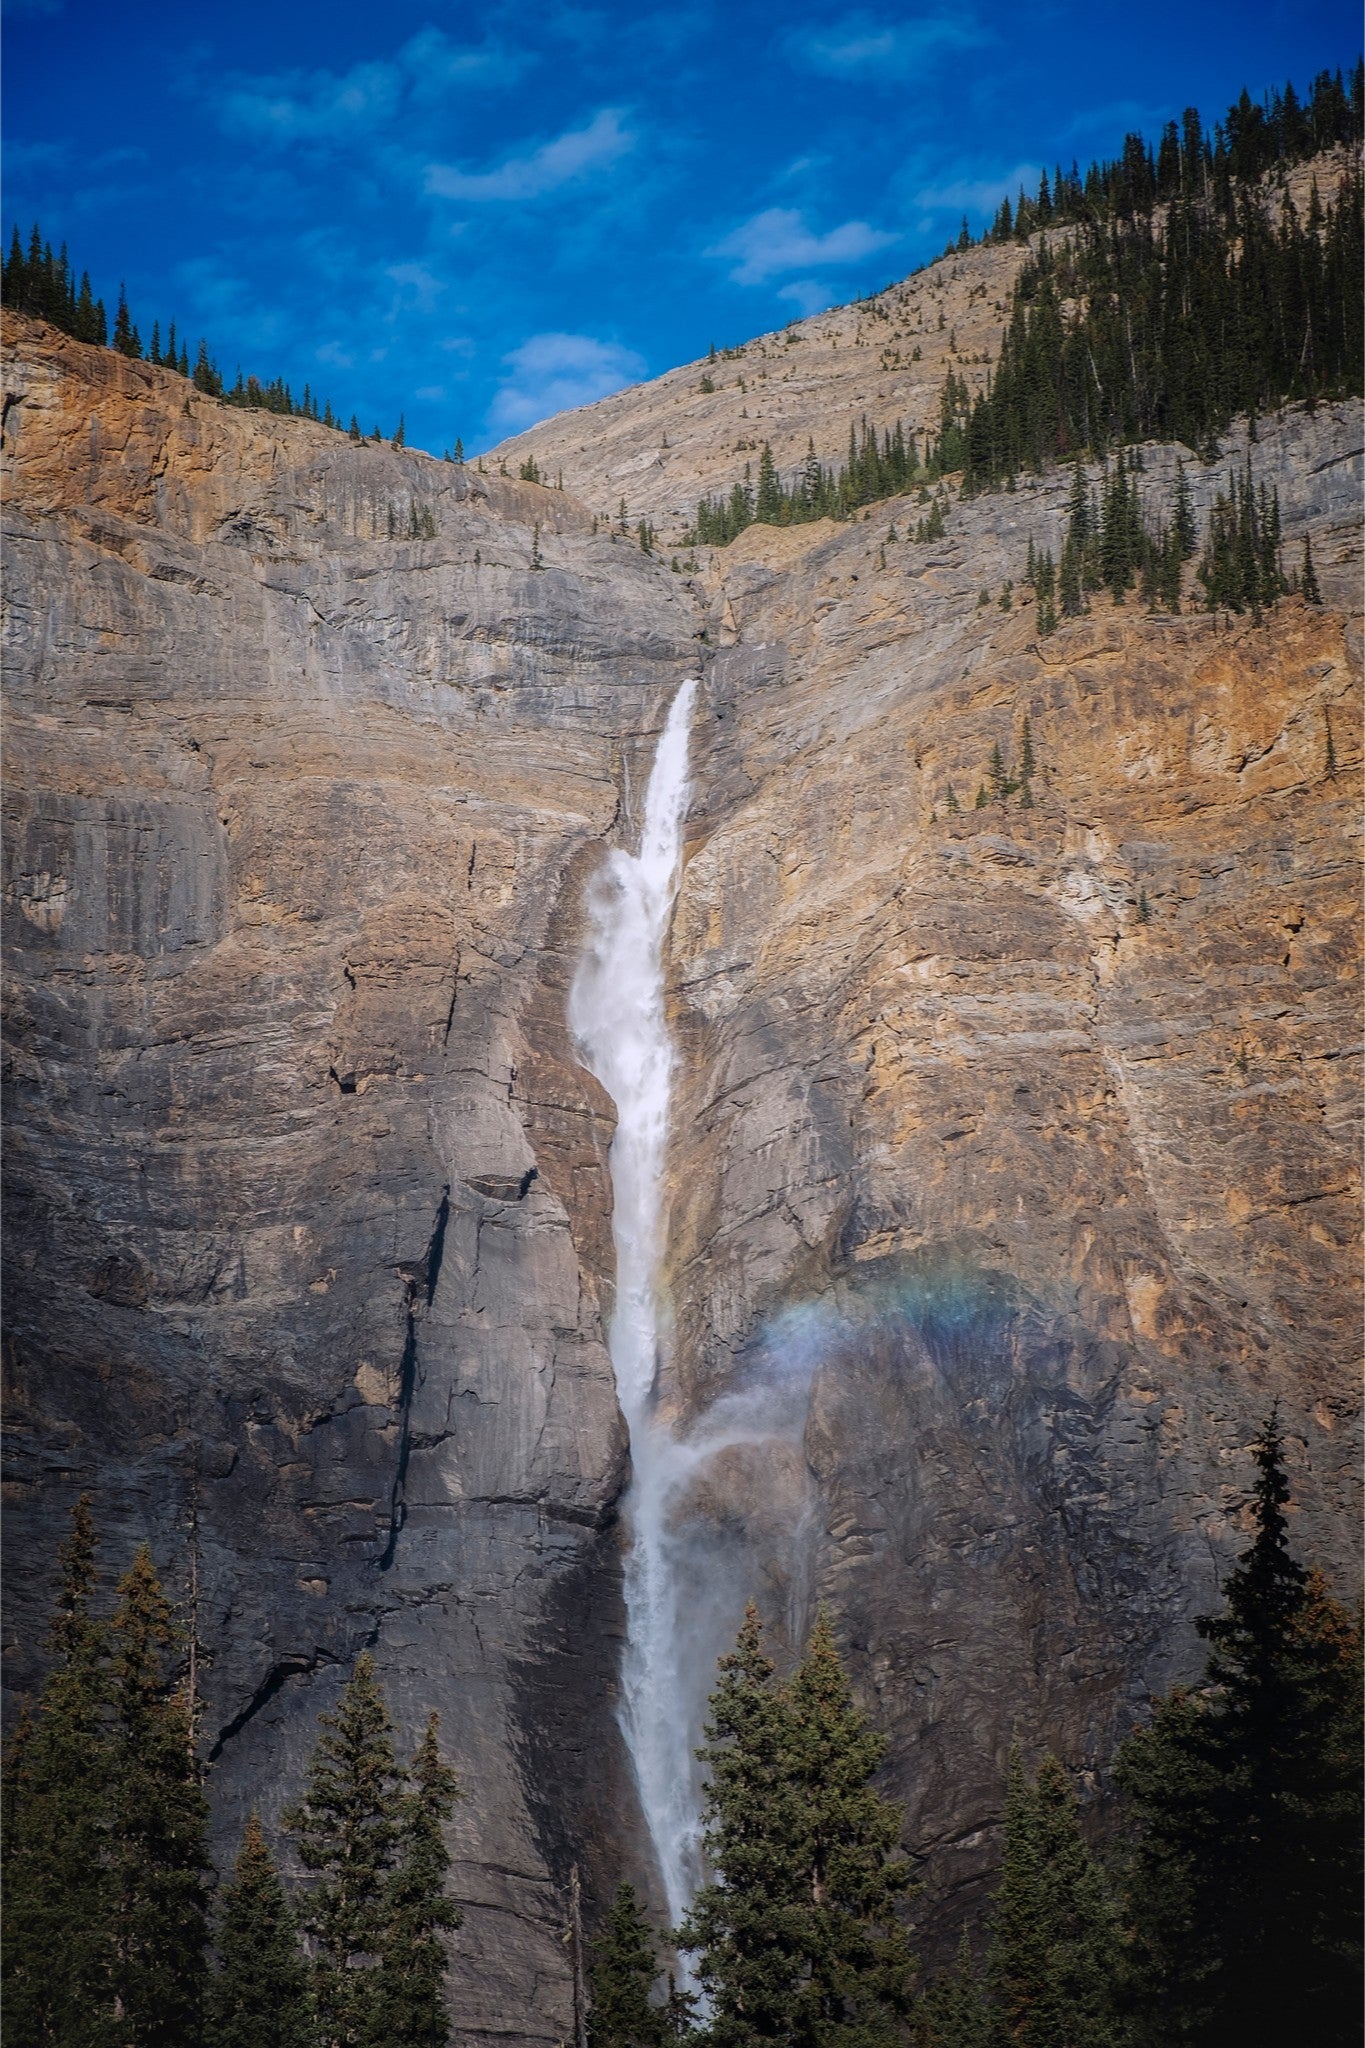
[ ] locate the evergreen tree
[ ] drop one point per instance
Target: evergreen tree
(58, 1955)
(126, 340)
(258, 1997)
(410, 2007)
(159, 1855)
(859, 1961)
(347, 1826)
(1308, 582)
(954, 2012)
(796, 1935)
(746, 1925)
(1246, 1874)
(623, 1968)
(1055, 1943)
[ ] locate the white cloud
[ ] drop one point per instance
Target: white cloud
(860, 46)
(778, 239)
(332, 107)
(570, 156)
(978, 195)
(552, 373)
(807, 294)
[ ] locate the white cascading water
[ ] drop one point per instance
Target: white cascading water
(616, 1013)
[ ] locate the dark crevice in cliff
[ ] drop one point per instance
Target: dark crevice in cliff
(297, 1665)
(425, 1279)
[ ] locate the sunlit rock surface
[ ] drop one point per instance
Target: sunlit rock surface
(308, 1220)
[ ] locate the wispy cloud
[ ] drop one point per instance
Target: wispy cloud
(552, 373)
(338, 106)
(861, 46)
(977, 195)
(570, 156)
(779, 239)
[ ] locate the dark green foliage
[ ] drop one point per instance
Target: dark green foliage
(347, 1826)
(1055, 1941)
(127, 340)
(40, 284)
(623, 1969)
(1308, 581)
(1181, 319)
(206, 377)
(1240, 567)
(159, 1826)
(953, 2012)
(258, 1998)
(409, 2004)
(1245, 1878)
(797, 1935)
(58, 1954)
(877, 467)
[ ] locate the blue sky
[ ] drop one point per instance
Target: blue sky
(478, 215)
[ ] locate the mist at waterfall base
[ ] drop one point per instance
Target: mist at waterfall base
(700, 1498)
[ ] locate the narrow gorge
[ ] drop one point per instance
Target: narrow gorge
(540, 1105)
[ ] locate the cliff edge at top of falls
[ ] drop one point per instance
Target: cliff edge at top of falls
(1050, 1194)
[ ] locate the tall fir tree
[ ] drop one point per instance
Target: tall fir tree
(746, 1925)
(57, 1946)
(410, 2007)
(1245, 1879)
(797, 1935)
(159, 1861)
(858, 1959)
(259, 1996)
(347, 1826)
(953, 2011)
(623, 1968)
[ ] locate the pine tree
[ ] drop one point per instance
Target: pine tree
(347, 1826)
(258, 1997)
(746, 1924)
(410, 2008)
(796, 1935)
(126, 340)
(623, 1969)
(954, 2012)
(859, 1960)
(1055, 1944)
(58, 1956)
(159, 1857)
(1308, 581)
(1246, 1872)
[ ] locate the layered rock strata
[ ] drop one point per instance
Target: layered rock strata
(1025, 1135)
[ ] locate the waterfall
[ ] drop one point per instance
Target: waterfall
(616, 1014)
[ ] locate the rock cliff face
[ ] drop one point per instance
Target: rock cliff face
(1027, 1133)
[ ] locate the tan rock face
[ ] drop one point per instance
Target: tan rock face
(1046, 1199)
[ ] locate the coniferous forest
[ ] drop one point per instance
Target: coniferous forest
(1218, 1903)
(1169, 292)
